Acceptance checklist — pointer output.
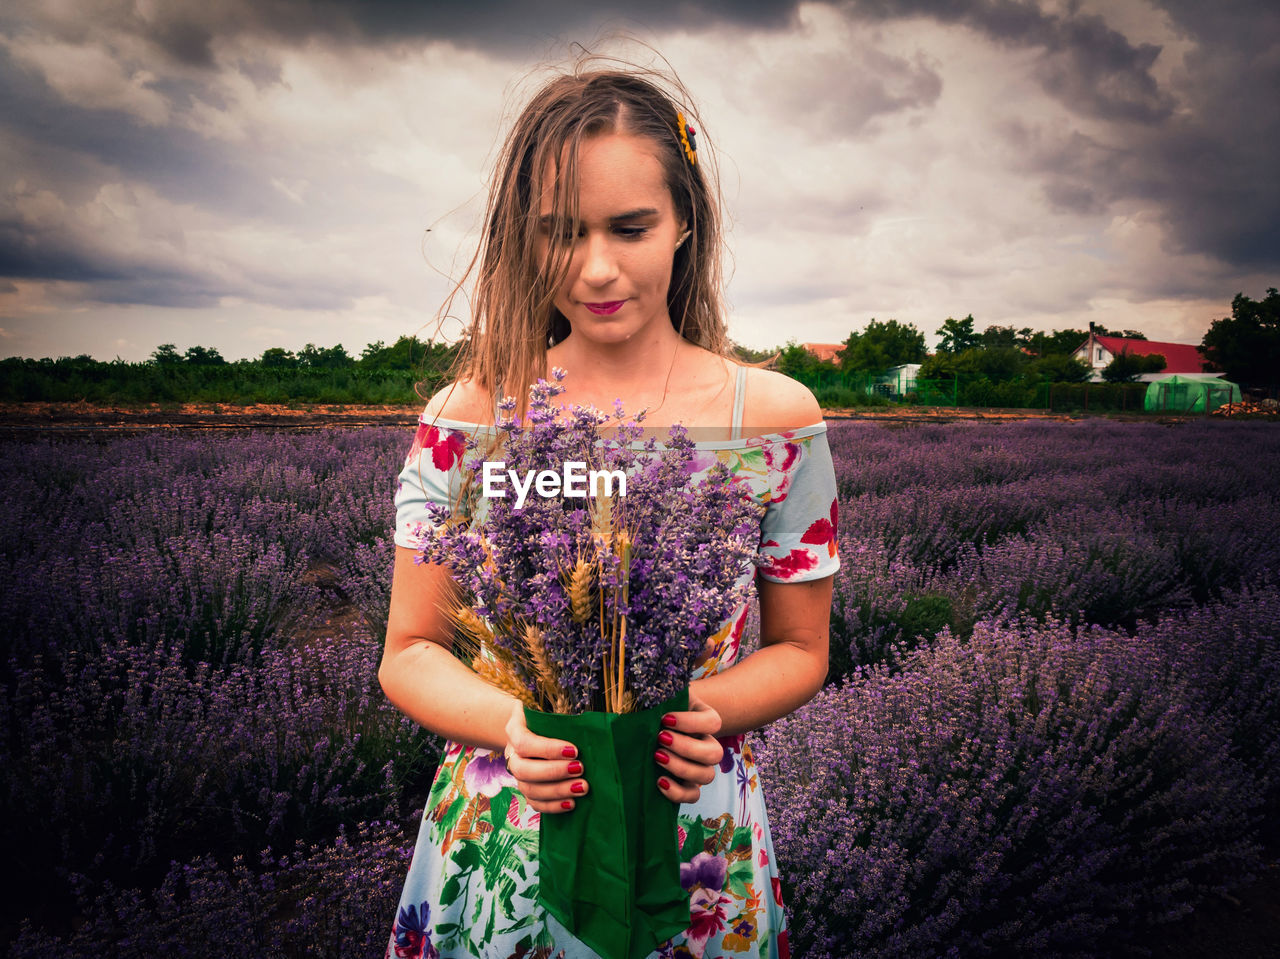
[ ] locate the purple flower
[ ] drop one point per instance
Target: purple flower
(704, 871)
(487, 774)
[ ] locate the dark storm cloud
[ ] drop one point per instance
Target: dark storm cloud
(186, 32)
(1086, 64)
(1200, 153)
(75, 148)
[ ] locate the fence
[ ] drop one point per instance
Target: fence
(1069, 397)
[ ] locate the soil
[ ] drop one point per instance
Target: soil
(75, 418)
(70, 419)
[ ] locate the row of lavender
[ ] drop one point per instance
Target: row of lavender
(172, 695)
(174, 702)
(1055, 720)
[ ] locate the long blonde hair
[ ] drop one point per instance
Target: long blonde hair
(514, 319)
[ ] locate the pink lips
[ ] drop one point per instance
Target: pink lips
(604, 309)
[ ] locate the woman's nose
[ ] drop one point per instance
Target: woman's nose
(599, 267)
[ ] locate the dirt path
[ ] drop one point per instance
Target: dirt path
(70, 419)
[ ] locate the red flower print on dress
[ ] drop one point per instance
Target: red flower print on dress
(446, 446)
(823, 532)
(780, 461)
(790, 566)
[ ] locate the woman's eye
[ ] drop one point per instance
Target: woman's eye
(631, 232)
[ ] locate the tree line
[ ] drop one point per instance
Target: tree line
(999, 366)
(399, 373)
(1007, 366)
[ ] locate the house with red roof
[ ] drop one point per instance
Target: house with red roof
(1097, 351)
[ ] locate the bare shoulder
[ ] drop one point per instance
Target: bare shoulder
(462, 400)
(775, 401)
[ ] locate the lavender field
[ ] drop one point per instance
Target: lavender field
(1052, 722)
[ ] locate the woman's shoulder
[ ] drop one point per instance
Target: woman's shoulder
(463, 400)
(775, 402)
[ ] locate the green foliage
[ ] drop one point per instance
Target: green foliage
(1127, 367)
(1123, 334)
(1004, 337)
(957, 335)
(278, 359)
(203, 356)
(839, 397)
(1057, 368)
(390, 376)
(798, 363)
(747, 355)
(333, 358)
(166, 354)
(1247, 344)
(1057, 342)
(997, 364)
(882, 345)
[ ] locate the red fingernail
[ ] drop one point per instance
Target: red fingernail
(662, 757)
(568, 752)
(668, 720)
(567, 804)
(663, 784)
(575, 767)
(578, 787)
(666, 738)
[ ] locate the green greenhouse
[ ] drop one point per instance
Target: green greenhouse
(1191, 393)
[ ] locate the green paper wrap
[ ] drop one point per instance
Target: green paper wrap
(609, 869)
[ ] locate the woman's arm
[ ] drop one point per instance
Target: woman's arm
(420, 674)
(789, 667)
(783, 674)
(425, 681)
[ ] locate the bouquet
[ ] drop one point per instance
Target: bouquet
(594, 570)
(601, 597)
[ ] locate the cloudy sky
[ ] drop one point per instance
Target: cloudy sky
(245, 174)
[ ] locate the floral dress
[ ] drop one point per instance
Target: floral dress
(472, 885)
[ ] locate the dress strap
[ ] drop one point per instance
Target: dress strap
(739, 397)
(497, 398)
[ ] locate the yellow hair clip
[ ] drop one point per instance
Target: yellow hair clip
(688, 139)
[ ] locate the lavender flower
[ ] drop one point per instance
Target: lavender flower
(621, 592)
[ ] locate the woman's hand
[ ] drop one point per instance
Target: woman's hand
(547, 771)
(688, 751)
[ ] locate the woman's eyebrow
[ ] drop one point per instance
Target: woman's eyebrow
(548, 218)
(634, 214)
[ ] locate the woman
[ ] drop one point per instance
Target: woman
(601, 255)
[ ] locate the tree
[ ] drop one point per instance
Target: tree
(166, 354)
(204, 356)
(998, 364)
(319, 358)
(1063, 342)
(956, 335)
(278, 358)
(747, 355)
(882, 345)
(797, 362)
(1057, 368)
(1246, 345)
(1100, 330)
(1004, 336)
(1127, 367)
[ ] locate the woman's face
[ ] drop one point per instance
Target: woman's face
(623, 243)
